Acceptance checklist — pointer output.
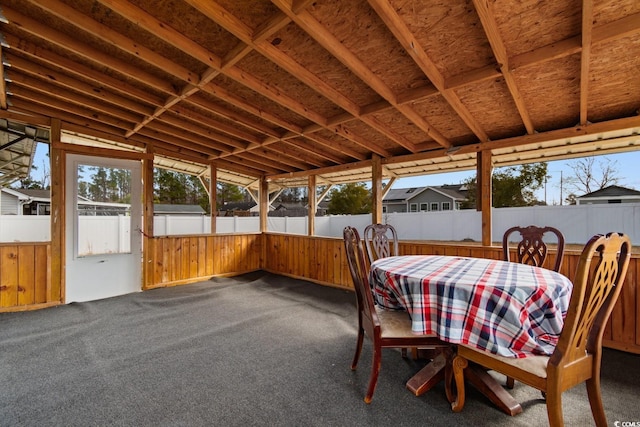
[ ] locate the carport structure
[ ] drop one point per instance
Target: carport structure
(269, 94)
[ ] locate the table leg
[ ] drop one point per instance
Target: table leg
(428, 376)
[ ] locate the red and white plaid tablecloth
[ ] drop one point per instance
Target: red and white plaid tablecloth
(506, 308)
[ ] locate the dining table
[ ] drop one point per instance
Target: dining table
(502, 307)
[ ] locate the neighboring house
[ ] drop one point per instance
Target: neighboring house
(279, 210)
(165, 209)
(24, 202)
(425, 199)
(610, 194)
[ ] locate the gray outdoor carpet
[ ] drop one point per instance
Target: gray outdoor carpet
(258, 349)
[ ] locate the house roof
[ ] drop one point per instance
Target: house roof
(166, 209)
(611, 191)
(456, 192)
(282, 90)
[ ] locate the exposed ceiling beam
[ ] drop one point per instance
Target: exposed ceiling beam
(411, 45)
(487, 18)
(585, 59)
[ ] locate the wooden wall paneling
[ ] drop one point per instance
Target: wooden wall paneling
(193, 257)
(8, 276)
(202, 256)
(26, 274)
(42, 273)
(208, 255)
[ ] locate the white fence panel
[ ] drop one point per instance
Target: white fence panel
(577, 223)
(27, 228)
(286, 224)
(333, 225)
(167, 225)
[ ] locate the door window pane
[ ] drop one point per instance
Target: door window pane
(103, 210)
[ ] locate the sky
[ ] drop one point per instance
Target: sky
(626, 165)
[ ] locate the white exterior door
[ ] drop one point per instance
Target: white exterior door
(103, 223)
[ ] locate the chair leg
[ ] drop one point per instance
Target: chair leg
(458, 366)
(375, 370)
(554, 407)
(595, 400)
(356, 356)
(510, 382)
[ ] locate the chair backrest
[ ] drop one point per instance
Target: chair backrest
(381, 241)
(532, 248)
(357, 267)
(599, 278)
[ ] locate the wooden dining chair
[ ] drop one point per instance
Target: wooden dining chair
(385, 328)
(532, 248)
(577, 357)
(380, 241)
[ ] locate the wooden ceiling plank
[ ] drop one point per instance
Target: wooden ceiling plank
(221, 93)
(585, 58)
(337, 147)
(222, 111)
(623, 27)
(296, 153)
(80, 109)
(86, 23)
(365, 164)
(82, 72)
(276, 159)
(487, 18)
(64, 82)
(270, 27)
(3, 83)
(54, 92)
(219, 15)
(77, 46)
(194, 135)
(396, 25)
(187, 118)
(368, 145)
(328, 41)
(311, 148)
(163, 31)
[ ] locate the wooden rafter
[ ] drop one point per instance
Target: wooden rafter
(585, 58)
(490, 26)
(386, 12)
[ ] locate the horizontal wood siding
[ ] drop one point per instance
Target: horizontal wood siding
(186, 259)
(25, 277)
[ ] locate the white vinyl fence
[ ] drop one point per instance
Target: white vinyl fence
(577, 223)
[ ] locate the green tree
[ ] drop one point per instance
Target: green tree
(511, 186)
(228, 193)
(353, 198)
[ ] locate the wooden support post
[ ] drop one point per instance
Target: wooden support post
(376, 190)
(313, 205)
(264, 204)
(484, 199)
(213, 195)
(148, 248)
(56, 289)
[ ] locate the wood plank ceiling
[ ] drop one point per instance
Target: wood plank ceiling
(288, 88)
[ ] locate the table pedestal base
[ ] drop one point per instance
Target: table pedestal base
(435, 371)
(428, 376)
(488, 386)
